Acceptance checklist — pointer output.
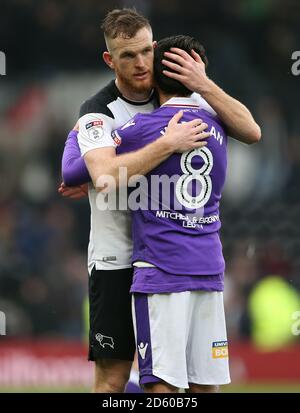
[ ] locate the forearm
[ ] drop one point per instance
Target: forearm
(135, 163)
(234, 114)
(109, 169)
(74, 170)
(144, 160)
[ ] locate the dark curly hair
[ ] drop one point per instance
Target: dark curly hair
(187, 43)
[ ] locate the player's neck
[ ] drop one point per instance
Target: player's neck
(163, 98)
(131, 95)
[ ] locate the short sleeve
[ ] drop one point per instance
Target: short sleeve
(128, 137)
(95, 132)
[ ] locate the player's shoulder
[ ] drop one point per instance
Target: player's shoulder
(130, 131)
(142, 118)
(99, 102)
(143, 121)
(203, 103)
(210, 118)
(134, 125)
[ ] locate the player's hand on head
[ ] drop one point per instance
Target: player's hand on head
(73, 192)
(186, 136)
(189, 70)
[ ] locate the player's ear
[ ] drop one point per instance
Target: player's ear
(108, 59)
(154, 44)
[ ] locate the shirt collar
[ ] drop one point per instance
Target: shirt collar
(182, 102)
(133, 102)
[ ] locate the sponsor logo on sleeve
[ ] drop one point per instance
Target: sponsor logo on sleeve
(220, 349)
(93, 124)
(116, 137)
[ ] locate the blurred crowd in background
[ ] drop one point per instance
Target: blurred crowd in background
(53, 50)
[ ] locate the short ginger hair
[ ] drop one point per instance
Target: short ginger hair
(123, 23)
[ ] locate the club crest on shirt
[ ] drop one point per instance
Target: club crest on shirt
(219, 349)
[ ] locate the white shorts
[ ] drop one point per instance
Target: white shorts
(181, 338)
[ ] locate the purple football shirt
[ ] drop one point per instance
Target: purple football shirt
(177, 229)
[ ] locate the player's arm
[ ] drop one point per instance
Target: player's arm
(191, 72)
(73, 192)
(103, 161)
(74, 170)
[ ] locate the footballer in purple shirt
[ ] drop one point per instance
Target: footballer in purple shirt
(179, 232)
(178, 279)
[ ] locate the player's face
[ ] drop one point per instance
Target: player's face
(132, 60)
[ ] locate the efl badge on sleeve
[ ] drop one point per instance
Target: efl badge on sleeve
(95, 129)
